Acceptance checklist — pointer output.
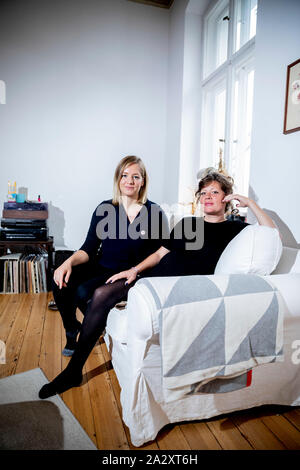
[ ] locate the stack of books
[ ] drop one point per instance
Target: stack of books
(23, 273)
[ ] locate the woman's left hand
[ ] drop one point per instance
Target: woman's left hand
(243, 200)
(130, 275)
(260, 214)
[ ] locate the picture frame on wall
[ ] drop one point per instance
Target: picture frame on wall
(292, 99)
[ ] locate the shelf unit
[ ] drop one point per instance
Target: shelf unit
(28, 247)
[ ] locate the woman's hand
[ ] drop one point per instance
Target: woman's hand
(62, 274)
(260, 214)
(130, 276)
(243, 200)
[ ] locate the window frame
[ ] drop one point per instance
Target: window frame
(235, 60)
(215, 10)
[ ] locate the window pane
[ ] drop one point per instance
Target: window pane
(222, 37)
(213, 131)
(219, 125)
(216, 33)
(245, 22)
(241, 127)
(253, 18)
(234, 131)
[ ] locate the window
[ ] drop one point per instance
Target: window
(216, 40)
(214, 117)
(244, 22)
(227, 88)
(240, 142)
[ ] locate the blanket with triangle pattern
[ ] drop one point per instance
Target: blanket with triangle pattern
(214, 329)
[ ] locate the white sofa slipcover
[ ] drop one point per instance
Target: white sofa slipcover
(132, 337)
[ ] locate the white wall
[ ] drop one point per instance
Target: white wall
(191, 101)
(275, 157)
(89, 81)
(86, 84)
(174, 100)
(184, 100)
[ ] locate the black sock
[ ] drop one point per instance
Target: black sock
(67, 379)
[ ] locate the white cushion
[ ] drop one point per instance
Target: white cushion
(256, 249)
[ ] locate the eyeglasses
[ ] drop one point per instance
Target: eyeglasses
(211, 193)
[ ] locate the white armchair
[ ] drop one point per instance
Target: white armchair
(132, 337)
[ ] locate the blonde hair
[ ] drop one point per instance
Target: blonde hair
(123, 164)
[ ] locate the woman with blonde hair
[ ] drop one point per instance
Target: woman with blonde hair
(123, 231)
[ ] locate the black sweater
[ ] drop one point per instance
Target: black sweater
(118, 244)
(184, 261)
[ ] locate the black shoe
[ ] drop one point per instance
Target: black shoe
(71, 342)
(63, 382)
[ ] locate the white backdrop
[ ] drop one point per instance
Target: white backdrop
(86, 84)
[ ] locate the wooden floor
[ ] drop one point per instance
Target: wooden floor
(34, 338)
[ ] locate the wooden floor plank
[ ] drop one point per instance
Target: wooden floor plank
(199, 436)
(78, 399)
(115, 386)
(283, 430)
(4, 300)
(31, 347)
(117, 392)
(227, 434)
(9, 313)
(108, 423)
(294, 417)
(257, 433)
(51, 358)
(15, 334)
(172, 438)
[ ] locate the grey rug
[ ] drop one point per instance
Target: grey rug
(28, 423)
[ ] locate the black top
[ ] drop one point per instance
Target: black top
(195, 254)
(118, 244)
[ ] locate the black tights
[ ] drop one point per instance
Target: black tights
(83, 282)
(103, 300)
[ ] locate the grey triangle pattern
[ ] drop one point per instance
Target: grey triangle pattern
(261, 339)
(221, 372)
(246, 284)
(222, 385)
(190, 289)
(212, 339)
(153, 292)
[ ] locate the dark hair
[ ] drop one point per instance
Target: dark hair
(226, 183)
